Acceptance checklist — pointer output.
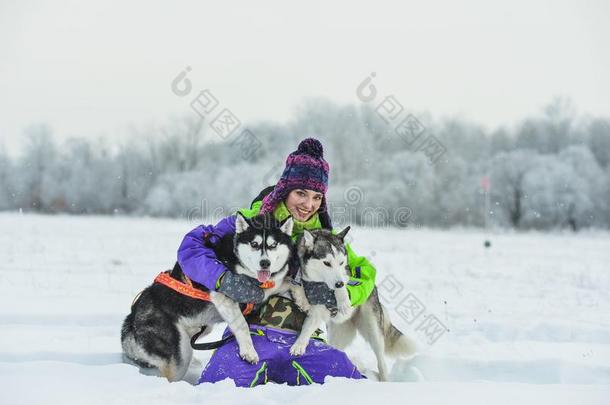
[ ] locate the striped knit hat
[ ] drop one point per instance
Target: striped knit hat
(306, 169)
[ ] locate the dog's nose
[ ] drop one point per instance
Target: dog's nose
(339, 284)
(265, 263)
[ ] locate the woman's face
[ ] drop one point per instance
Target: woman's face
(303, 203)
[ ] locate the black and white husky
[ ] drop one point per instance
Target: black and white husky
(324, 265)
(157, 332)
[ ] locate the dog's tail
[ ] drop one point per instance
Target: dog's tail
(396, 343)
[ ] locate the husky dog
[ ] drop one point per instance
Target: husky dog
(325, 274)
(157, 332)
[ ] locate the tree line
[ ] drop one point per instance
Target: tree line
(551, 170)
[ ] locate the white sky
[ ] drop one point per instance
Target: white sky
(95, 67)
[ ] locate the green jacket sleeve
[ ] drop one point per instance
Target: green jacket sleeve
(362, 281)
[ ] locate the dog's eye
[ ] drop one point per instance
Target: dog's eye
(272, 246)
(254, 245)
(327, 264)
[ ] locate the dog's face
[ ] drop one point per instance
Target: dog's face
(324, 257)
(263, 245)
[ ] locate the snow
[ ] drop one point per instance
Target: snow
(527, 319)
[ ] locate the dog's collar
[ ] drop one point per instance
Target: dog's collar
(267, 284)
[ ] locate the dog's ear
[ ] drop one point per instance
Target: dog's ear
(241, 223)
(342, 234)
(308, 239)
(287, 226)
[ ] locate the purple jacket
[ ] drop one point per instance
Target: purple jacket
(198, 261)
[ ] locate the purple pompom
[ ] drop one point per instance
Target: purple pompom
(311, 147)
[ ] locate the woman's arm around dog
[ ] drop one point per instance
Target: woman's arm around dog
(199, 261)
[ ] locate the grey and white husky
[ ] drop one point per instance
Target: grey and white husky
(157, 332)
(325, 275)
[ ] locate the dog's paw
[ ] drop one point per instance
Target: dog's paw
(298, 294)
(298, 348)
(249, 355)
(344, 309)
(344, 306)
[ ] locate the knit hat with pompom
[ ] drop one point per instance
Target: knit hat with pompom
(306, 169)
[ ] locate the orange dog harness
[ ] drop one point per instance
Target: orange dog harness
(190, 291)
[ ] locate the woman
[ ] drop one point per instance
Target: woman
(300, 192)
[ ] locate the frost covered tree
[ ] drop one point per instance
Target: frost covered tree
(554, 193)
(87, 184)
(508, 170)
(402, 189)
(133, 174)
(6, 186)
(551, 132)
(457, 194)
(179, 144)
(589, 180)
(599, 140)
(500, 141)
(563, 190)
(34, 179)
(605, 198)
(462, 138)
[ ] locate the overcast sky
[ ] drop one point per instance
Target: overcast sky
(96, 67)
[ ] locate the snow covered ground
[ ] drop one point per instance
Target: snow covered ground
(527, 320)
